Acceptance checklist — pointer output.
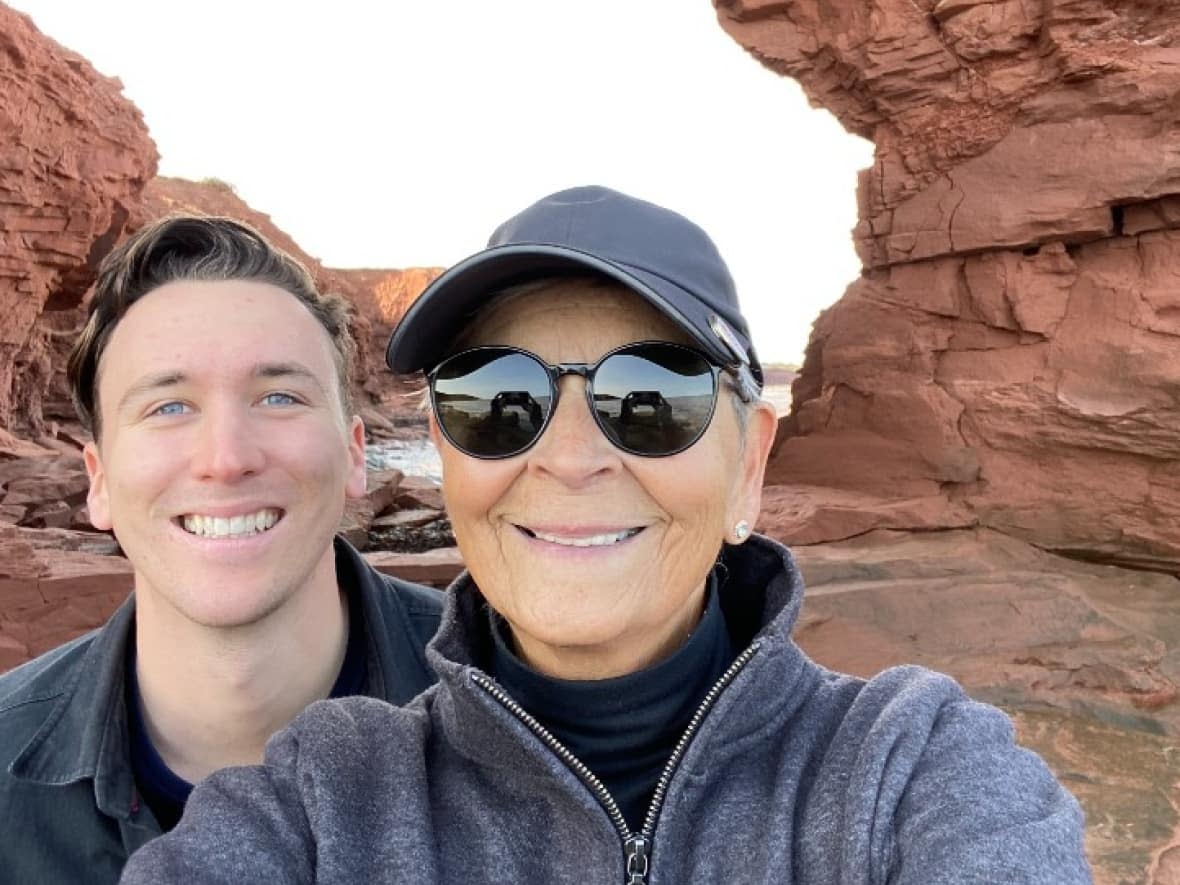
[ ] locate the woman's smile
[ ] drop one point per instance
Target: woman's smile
(580, 540)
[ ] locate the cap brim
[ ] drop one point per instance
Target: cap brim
(424, 334)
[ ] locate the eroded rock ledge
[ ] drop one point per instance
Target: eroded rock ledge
(997, 122)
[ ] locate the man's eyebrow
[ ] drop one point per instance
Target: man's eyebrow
(150, 383)
(287, 370)
(162, 380)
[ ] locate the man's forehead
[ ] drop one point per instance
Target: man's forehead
(187, 298)
(185, 326)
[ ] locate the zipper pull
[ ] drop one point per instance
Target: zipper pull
(636, 848)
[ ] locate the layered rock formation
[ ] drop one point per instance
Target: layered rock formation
(1084, 656)
(1009, 357)
(74, 156)
(984, 446)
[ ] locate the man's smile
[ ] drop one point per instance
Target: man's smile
(238, 526)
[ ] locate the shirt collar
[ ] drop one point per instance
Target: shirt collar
(85, 734)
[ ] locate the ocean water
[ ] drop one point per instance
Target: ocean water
(413, 457)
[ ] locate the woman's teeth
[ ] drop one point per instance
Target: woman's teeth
(586, 540)
(231, 526)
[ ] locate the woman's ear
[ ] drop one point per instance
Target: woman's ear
(761, 427)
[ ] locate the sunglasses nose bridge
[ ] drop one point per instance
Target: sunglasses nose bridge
(562, 370)
(585, 371)
(582, 370)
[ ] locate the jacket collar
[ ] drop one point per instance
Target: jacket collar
(761, 592)
(85, 734)
(355, 575)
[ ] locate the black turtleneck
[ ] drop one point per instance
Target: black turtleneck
(623, 729)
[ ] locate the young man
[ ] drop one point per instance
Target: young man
(215, 379)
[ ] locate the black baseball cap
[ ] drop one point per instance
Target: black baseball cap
(657, 253)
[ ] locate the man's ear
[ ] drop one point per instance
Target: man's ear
(358, 478)
(761, 427)
(97, 502)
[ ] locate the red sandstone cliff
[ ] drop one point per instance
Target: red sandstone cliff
(78, 167)
(1009, 357)
(74, 158)
(1002, 384)
(385, 295)
(379, 297)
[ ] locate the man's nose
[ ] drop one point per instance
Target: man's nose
(228, 447)
(573, 449)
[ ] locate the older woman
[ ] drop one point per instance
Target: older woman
(619, 697)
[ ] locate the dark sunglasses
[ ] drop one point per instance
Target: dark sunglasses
(650, 398)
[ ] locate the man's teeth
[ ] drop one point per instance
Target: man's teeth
(230, 526)
(587, 540)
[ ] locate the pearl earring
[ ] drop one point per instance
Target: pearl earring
(742, 530)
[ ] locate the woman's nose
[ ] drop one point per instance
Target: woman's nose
(573, 449)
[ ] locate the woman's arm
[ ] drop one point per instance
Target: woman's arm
(342, 796)
(243, 824)
(978, 808)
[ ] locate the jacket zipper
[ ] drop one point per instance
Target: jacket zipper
(636, 846)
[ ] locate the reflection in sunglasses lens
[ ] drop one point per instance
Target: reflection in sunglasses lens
(654, 399)
(491, 403)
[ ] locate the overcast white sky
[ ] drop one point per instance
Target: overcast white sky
(401, 133)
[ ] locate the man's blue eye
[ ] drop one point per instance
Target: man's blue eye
(279, 399)
(169, 409)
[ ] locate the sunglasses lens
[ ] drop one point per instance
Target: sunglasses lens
(491, 402)
(654, 399)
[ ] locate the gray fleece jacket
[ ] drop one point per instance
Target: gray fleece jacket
(790, 773)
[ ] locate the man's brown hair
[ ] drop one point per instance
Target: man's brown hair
(195, 248)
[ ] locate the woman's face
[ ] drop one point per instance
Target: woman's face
(522, 523)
